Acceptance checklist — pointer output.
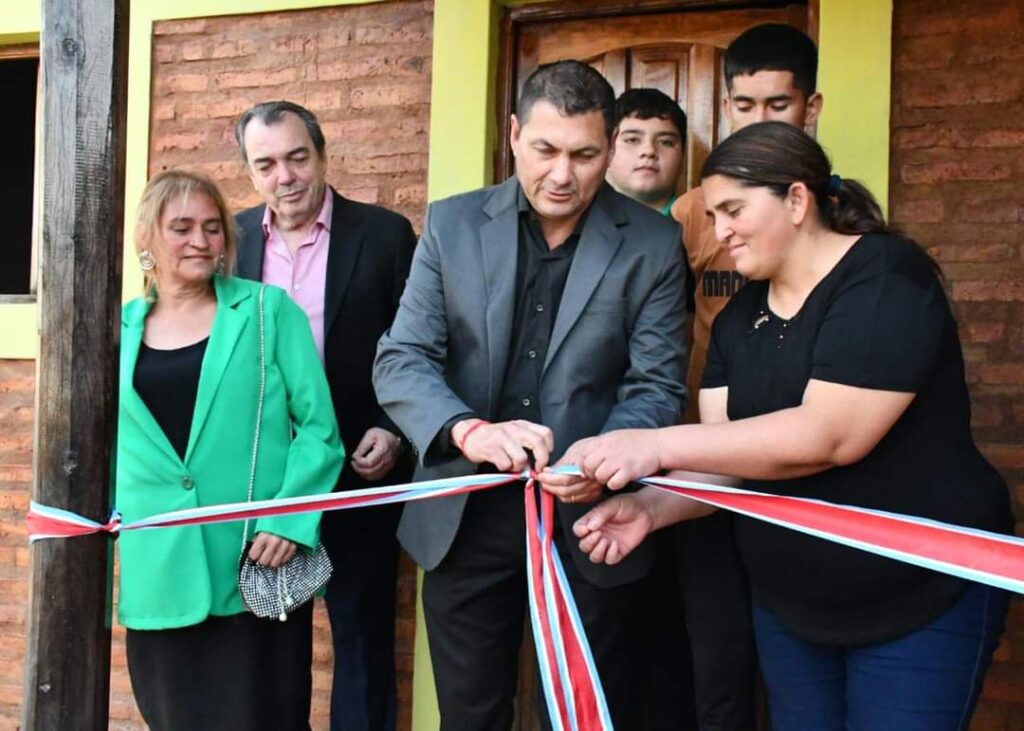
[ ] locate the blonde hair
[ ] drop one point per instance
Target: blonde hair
(165, 187)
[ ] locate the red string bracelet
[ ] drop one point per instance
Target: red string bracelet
(470, 430)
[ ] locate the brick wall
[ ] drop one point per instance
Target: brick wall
(17, 397)
(957, 175)
(365, 71)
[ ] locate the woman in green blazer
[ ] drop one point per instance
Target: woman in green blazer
(189, 390)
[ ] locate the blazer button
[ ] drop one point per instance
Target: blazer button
(187, 482)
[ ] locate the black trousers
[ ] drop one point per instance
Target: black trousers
(665, 661)
(239, 672)
(360, 602)
(475, 603)
(715, 597)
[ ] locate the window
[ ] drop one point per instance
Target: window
(19, 73)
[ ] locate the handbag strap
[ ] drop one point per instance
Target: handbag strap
(259, 417)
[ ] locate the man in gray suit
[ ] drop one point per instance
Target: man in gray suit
(537, 312)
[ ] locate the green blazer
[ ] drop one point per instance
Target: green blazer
(175, 577)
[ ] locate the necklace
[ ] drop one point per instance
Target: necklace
(763, 318)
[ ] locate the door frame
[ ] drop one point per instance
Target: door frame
(515, 17)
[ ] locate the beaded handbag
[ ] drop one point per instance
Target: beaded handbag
(267, 591)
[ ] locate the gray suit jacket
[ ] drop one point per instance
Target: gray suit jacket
(616, 358)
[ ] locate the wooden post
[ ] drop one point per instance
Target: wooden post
(84, 64)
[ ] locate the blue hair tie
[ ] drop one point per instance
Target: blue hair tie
(835, 186)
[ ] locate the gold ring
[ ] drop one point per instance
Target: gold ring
(572, 498)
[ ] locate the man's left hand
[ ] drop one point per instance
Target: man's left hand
(376, 454)
(571, 488)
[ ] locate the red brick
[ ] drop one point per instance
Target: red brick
(243, 79)
(193, 51)
(956, 90)
(410, 194)
(181, 141)
(922, 211)
(230, 107)
(370, 97)
(972, 252)
(989, 210)
(370, 66)
(989, 290)
(12, 383)
(332, 40)
(292, 45)
(363, 195)
(413, 32)
(941, 136)
(927, 52)
(983, 332)
(942, 172)
(166, 54)
(234, 49)
(15, 473)
(322, 100)
(993, 53)
(1005, 456)
(184, 83)
(1003, 373)
(223, 170)
(936, 17)
(163, 111)
(179, 27)
(386, 164)
(349, 129)
(986, 414)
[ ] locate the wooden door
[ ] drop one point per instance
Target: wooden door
(634, 44)
(678, 52)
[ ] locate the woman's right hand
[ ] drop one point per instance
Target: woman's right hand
(614, 528)
(270, 550)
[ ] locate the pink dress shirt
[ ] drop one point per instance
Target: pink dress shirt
(303, 274)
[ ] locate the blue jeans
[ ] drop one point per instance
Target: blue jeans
(927, 680)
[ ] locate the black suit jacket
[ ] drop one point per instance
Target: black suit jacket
(367, 264)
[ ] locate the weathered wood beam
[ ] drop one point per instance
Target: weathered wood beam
(84, 64)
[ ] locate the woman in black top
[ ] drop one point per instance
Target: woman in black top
(835, 374)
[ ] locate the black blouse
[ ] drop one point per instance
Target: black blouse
(880, 319)
(167, 381)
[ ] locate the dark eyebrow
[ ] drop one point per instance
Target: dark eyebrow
(769, 100)
(725, 204)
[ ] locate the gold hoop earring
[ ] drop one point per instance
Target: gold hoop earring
(146, 261)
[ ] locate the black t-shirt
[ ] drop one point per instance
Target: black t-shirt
(880, 319)
(167, 381)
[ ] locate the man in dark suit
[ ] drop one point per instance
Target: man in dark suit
(538, 312)
(346, 264)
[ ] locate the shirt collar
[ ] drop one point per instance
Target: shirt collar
(322, 222)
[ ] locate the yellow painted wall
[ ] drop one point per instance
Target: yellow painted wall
(854, 73)
(855, 39)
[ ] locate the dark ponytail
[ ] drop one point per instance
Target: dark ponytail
(775, 155)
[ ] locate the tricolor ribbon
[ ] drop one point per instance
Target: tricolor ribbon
(572, 687)
(571, 684)
(968, 553)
